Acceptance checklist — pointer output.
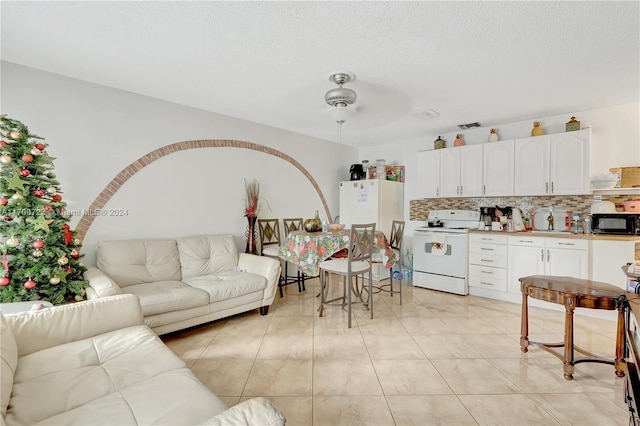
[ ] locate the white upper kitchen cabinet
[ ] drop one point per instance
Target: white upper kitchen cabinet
(429, 173)
(461, 171)
(498, 168)
(569, 168)
(531, 162)
(556, 164)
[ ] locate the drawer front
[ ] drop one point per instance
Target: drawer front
(487, 237)
(567, 243)
(524, 240)
(488, 249)
(488, 259)
(488, 272)
(488, 283)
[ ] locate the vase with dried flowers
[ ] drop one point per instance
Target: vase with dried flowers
(252, 189)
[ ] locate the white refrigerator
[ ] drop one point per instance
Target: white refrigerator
(372, 200)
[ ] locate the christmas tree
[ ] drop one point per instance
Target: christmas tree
(40, 258)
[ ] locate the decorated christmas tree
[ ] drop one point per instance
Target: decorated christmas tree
(40, 253)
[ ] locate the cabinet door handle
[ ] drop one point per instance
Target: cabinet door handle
(487, 272)
(486, 260)
(461, 192)
(546, 187)
(542, 255)
(484, 189)
(548, 255)
(552, 190)
(483, 283)
(437, 191)
(486, 249)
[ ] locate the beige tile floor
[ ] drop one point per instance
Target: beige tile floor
(437, 359)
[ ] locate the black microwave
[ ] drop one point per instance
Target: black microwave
(616, 223)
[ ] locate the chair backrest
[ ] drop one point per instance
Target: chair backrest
(397, 232)
(269, 230)
(362, 240)
(294, 224)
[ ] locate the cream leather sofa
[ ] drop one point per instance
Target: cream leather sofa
(186, 281)
(96, 363)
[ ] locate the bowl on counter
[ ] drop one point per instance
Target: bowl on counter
(334, 227)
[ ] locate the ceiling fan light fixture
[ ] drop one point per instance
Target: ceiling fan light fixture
(340, 114)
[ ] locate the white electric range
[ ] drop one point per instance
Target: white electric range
(440, 250)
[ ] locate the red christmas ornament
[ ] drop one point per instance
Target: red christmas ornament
(29, 284)
(74, 254)
(3, 144)
(66, 227)
(4, 281)
(24, 172)
(57, 197)
(40, 146)
(68, 237)
(4, 201)
(48, 209)
(38, 244)
(69, 270)
(27, 158)
(38, 192)
(8, 218)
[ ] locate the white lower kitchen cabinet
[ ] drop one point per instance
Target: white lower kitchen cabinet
(607, 258)
(546, 256)
(488, 265)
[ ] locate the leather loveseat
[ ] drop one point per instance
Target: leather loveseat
(186, 281)
(96, 363)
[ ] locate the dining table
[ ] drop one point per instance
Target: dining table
(308, 249)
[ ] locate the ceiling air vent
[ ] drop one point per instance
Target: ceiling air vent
(424, 114)
(469, 125)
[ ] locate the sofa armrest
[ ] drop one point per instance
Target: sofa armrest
(256, 411)
(38, 330)
(266, 266)
(100, 285)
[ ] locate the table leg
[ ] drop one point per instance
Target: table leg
(568, 339)
(620, 363)
(524, 324)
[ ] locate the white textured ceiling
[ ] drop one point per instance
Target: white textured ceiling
(268, 62)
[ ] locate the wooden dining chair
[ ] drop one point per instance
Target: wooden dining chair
(356, 264)
(395, 244)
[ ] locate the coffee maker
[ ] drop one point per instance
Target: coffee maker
(487, 215)
(357, 172)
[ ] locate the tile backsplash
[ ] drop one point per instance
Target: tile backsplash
(419, 209)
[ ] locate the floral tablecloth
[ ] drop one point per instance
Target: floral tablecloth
(308, 249)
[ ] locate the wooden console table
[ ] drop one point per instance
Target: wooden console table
(574, 293)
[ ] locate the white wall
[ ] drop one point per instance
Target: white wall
(96, 131)
(615, 131)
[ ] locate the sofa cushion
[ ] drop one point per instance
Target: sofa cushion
(167, 296)
(130, 262)
(227, 285)
(9, 360)
(207, 255)
(127, 376)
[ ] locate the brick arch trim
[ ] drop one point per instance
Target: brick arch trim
(116, 183)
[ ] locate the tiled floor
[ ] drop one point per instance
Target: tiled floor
(437, 359)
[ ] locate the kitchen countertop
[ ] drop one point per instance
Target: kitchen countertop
(551, 234)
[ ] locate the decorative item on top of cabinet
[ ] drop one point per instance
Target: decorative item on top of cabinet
(493, 135)
(439, 143)
(572, 125)
(458, 141)
(537, 130)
